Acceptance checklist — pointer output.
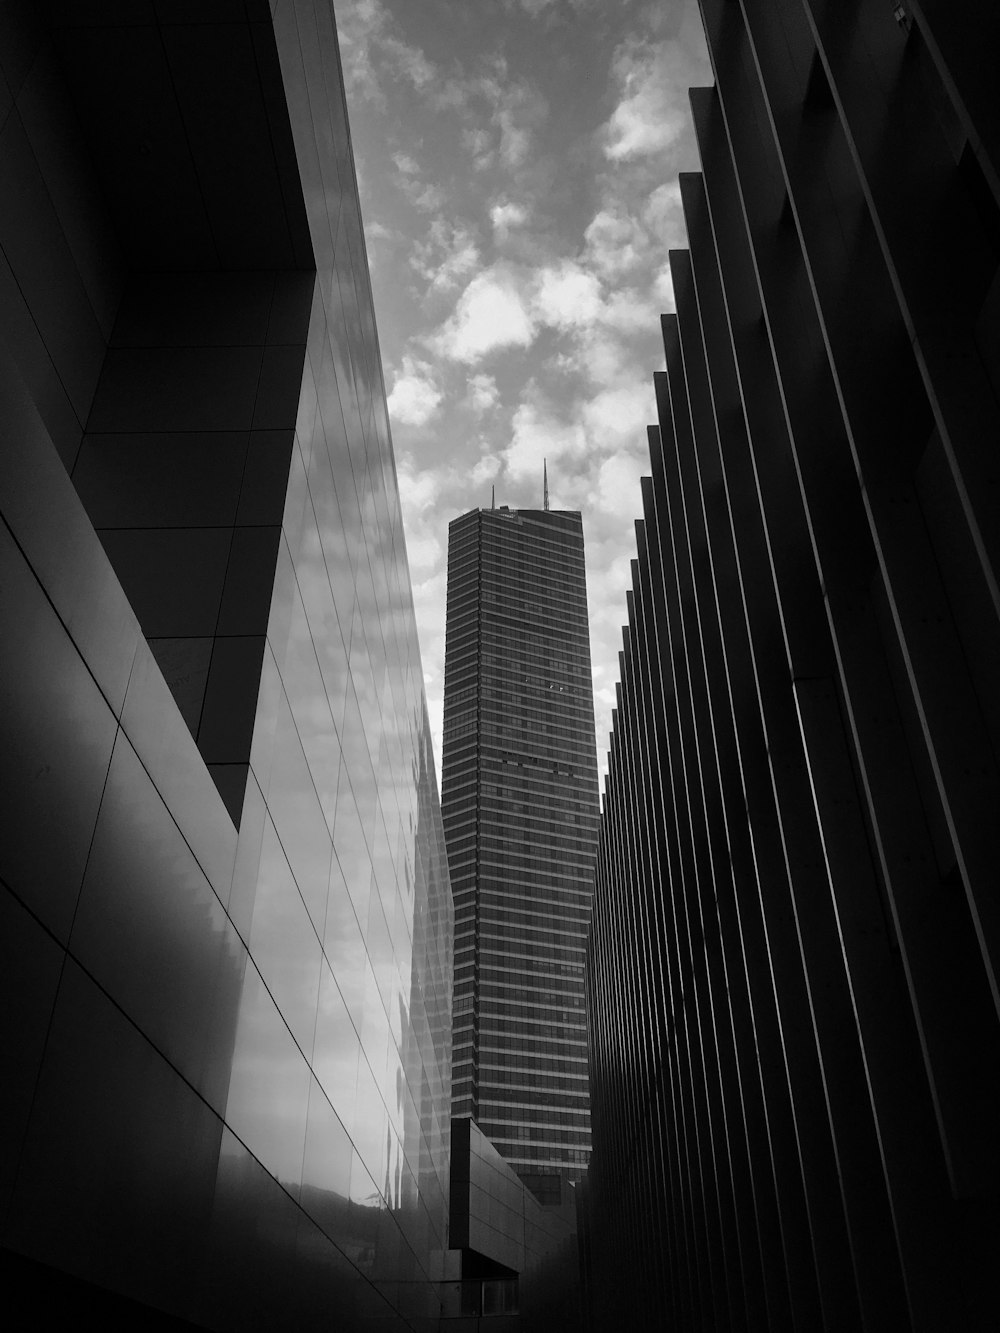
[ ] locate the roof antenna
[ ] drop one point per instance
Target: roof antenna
(545, 484)
(493, 497)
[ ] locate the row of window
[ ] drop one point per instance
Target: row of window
(530, 984)
(496, 1055)
(527, 1077)
(551, 1155)
(519, 1134)
(496, 1001)
(574, 1098)
(543, 1036)
(542, 1116)
(559, 914)
(542, 957)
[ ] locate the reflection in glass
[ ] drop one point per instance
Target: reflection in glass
(269, 1089)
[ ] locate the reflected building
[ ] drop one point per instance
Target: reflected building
(225, 917)
(795, 950)
(519, 798)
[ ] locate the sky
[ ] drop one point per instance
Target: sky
(517, 164)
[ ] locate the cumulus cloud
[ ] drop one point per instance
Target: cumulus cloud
(663, 212)
(485, 470)
(616, 242)
(651, 114)
(415, 396)
(492, 313)
(538, 432)
(567, 296)
(483, 393)
(410, 62)
(663, 289)
(619, 414)
(479, 142)
(507, 305)
(505, 216)
(448, 254)
(632, 310)
(368, 45)
(423, 195)
(536, 7)
(418, 488)
(378, 231)
(501, 111)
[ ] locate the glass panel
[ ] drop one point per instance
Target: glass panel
(58, 736)
(119, 1163)
(179, 978)
(269, 1092)
(283, 942)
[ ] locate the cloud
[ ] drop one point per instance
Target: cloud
(515, 138)
(479, 142)
(418, 488)
(567, 296)
(619, 414)
(631, 311)
(651, 113)
(368, 47)
(507, 305)
(663, 289)
(616, 242)
(483, 393)
(663, 211)
(415, 397)
(536, 433)
(536, 7)
(428, 198)
(447, 255)
(410, 62)
(505, 216)
(491, 314)
(378, 231)
(513, 108)
(486, 469)
(359, 24)
(423, 553)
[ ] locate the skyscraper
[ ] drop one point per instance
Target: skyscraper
(796, 939)
(519, 799)
(225, 921)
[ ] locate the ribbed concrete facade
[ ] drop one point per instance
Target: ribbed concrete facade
(796, 937)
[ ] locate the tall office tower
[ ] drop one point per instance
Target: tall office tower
(796, 942)
(519, 800)
(225, 919)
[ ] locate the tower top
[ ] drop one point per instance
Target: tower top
(545, 485)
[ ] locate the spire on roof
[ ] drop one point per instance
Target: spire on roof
(545, 485)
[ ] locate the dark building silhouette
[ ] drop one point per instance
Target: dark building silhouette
(795, 949)
(225, 919)
(519, 800)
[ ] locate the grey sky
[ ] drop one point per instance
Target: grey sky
(518, 165)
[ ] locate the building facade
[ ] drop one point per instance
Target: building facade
(519, 800)
(793, 967)
(225, 918)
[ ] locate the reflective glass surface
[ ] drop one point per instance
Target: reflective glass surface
(227, 1091)
(351, 924)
